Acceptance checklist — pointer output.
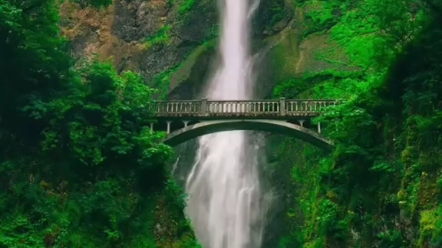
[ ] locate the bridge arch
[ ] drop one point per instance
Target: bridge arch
(274, 126)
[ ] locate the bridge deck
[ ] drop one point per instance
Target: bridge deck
(256, 109)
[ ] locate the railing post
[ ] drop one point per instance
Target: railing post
(203, 106)
(282, 106)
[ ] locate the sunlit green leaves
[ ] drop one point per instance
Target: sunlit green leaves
(78, 166)
(387, 133)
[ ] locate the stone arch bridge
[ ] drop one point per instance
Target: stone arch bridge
(183, 120)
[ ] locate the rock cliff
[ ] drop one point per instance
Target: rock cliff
(171, 43)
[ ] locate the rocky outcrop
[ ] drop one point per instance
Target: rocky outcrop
(150, 37)
(171, 43)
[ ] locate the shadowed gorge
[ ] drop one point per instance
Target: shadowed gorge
(81, 167)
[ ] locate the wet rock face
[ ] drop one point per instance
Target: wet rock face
(271, 17)
(166, 41)
(199, 24)
(137, 19)
(151, 37)
(158, 60)
(122, 33)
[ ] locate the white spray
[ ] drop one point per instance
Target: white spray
(225, 200)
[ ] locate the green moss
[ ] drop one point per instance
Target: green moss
(284, 56)
(186, 6)
(428, 221)
(160, 38)
(276, 11)
(183, 71)
(180, 72)
(321, 15)
(161, 81)
(430, 227)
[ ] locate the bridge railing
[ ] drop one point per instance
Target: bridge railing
(241, 108)
(176, 107)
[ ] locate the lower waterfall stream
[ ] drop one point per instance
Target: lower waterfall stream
(226, 203)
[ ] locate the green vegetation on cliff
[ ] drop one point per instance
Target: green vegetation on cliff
(78, 168)
(381, 187)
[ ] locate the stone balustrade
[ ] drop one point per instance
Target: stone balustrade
(242, 108)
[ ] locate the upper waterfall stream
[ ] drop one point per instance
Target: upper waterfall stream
(225, 203)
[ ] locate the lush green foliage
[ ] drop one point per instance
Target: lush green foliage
(383, 179)
(78, 167)
(160, 38)
(186, 6)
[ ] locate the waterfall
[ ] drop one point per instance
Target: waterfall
(225, 202)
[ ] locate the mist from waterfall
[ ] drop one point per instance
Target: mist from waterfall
(226, 203)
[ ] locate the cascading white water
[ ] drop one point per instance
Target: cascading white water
(225, 200)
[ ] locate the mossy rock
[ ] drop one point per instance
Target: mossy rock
(189, 78)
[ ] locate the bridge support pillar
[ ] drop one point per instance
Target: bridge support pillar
(186, 123)
(151, 128)
(168, 126)
(301, 122)
(282, 106)
(319, 127)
